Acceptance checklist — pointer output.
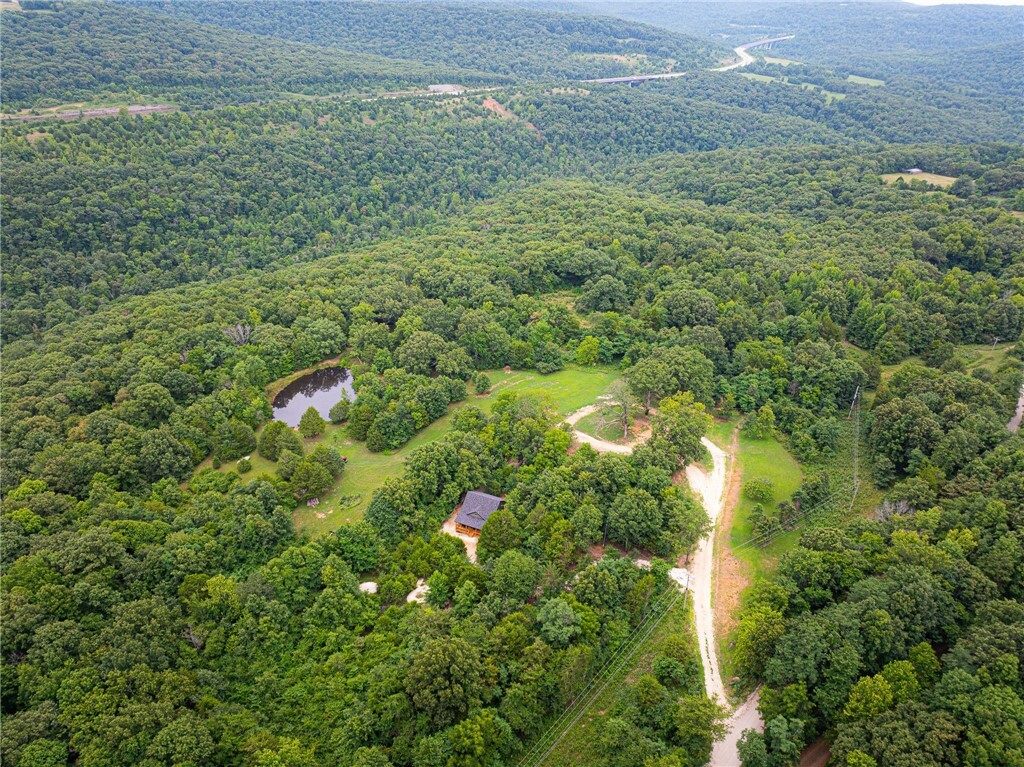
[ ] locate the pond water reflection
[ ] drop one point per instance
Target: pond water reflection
(322, 389)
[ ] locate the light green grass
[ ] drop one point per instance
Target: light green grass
(759, 78)
(568, 390)
(763, 458)
(977, 356)
(830, 96)
(579, 744)
(930, 178)
(782, 62)
(865, 81)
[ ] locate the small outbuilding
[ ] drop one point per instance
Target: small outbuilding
(476, 508)
(913, 171)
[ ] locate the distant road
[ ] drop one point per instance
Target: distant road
(636, 78)
(85, 114)
(746, 58)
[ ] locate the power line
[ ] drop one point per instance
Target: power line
(855, 413)
(623, 653)
(770, 535)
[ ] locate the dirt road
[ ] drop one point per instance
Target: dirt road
(600, 445)
(746, 717)
(1014, 424)
(85, 114)
(711, 490)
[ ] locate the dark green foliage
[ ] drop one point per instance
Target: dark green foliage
(85, 50)
(339, 411)
(525, 43)
(145, 620)
(233, 439)
(312, 423)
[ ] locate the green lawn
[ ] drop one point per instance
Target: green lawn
(763, 458)
(759, 78)
(865, 80)
(568, 389)
(579, 744)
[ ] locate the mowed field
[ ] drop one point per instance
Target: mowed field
(930, 178)
(757, 458)
(865, 81)
(567, 390)
(754, 458)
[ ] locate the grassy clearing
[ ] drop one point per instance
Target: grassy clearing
(865, 81)
(599, 426)
(568, 390)
(930, 178)
(763, 458)
(759, 78)
(977, 356)
(579, 744)
(830, 96)
(781, 62)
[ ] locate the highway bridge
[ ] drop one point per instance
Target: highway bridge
(744, 59)
(637, 79)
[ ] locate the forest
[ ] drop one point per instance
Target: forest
(705, 258)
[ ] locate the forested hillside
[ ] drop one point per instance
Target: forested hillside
(593, 303)
(87, 51)
(218, 192)
(933, 56)
(248, 641)
(531, 45)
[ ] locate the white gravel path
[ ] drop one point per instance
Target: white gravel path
(711, 490)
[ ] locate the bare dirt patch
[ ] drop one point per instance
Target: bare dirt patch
(35, 136)
(449, 528)
(815, 755)
(505, 113)
(498, 109)
(730, 574)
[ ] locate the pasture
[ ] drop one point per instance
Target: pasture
(929, 178)
(870, 81)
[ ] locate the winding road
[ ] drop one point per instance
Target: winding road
(710, 488)
(746, 58)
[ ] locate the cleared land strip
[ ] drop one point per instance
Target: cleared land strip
(547, 742)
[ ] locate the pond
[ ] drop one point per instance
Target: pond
(322, 389)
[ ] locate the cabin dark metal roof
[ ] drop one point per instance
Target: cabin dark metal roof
(476, 508)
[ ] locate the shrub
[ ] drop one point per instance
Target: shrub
(339, 413)
(760, 490)
(481, 383)
(244, 466)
